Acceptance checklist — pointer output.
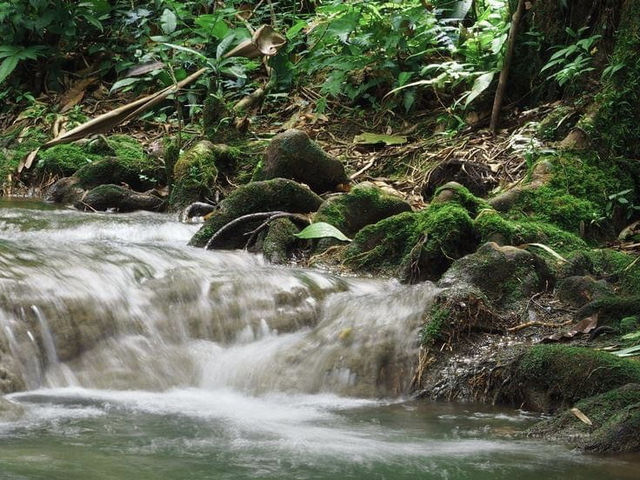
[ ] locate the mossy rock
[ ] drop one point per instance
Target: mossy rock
(105, 197)
(453, 192)
(279, 241)
(505, 275)
(295, 156)
(579, 290)
(493, 227)
(611, 309)
(64, 160)
(558, 123)
(65, 191)
(131, 155)
(551, 377)
(414, 246)
(615, 418)
(196, 172)
(362, 206)
(271, 195)
(108, 171)
(619, 268)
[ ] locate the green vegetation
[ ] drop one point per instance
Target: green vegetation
(433, 329)
(64, 160)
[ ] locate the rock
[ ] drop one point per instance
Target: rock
(295, 156)
(454, 192)
(505, 276)
(547, 378)
(279, 240)
(615, 423)
(64, 160)
(66, 190)
(476, 177)
(195, 173)
(414, 246)
(123, 200)
(10, 411)
(197, 209)
(272, 195)
(577, 291)
(109, 171)
(363, 205)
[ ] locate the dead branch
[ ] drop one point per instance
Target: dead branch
(517, 328)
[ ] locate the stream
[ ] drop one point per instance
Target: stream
(135, 356)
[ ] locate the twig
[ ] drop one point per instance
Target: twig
(517, 328)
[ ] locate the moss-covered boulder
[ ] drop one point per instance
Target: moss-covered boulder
(272, 195)
(547, 378)
(504, 275)
(453, 192)
(614, 428)
(196, 172)
(579, 290)
(66, 191)
(64, 160)
(362, 206)
(295, 156)
(105, 197)
(414, 246)
(108, 171)
(280, 240)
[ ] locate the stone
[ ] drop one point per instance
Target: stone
(295, 156)
(123, 200)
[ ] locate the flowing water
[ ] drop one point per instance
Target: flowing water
(137, 357)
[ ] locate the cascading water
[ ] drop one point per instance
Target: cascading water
(151, 359)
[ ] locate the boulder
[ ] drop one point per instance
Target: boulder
(504, 275)
(295, 156)
(579, 290)
(271, 195)
(194, 176)
(362, 206)
(109, 171)
(66, 190)
(121, 199)
(476, 177)
(615, 423)
(279, 240)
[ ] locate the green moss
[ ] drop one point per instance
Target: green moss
(611, 415)
(619, 268)
(611, 310)
(194, 175)
(13, 152)
(414, 246)
(629, 324)
(559, 375)
(557, 124)
(433, 329)
(491, 226)
(279, 240)
(455, 193)
(363, 205)
(265, 196)
(64, 160)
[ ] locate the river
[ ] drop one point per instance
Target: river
(135, 356)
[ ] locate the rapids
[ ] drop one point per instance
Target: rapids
(133, 355)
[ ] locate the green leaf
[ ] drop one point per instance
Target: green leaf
(322, 230)
(224, 45)
(168, 21)
(375, 138)
(295, 29)
(125, 82)
(7, 66)
(480, 85)
(185, 49)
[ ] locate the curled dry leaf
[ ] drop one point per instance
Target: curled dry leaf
(586, 325)
(265, 41)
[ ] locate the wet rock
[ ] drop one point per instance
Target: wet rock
(547, 378)
(279, 240)
(295, 156)
(194, 175)
(504, 275)
(110, 171)
(363, 205)
(10, 411)
(272, 195)
(106, 197)
(615, 423)
(198, 209)
(476, 177)
(66, 190)
(580, 290)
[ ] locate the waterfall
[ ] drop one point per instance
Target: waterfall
(120, 302)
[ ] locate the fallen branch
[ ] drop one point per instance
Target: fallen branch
(246, 218)
(517, 328)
